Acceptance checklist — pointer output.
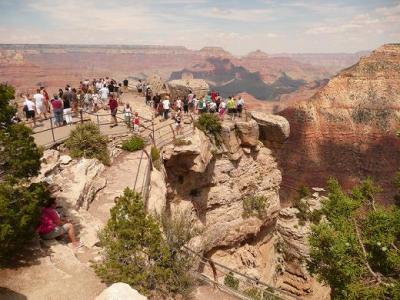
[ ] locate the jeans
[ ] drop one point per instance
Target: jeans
(165, 113)
(58, 115)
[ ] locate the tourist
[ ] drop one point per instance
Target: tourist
(29, 109)
(178, 121)
(57, 105)
(52, 226)
(127, 114)
(139, 86)
(186, 105)
(240, 106)
(212, 107)
(231, 107)
(136, 122)
(74, 101)
(60, 93)
(178, 104)
(196, 105)
(40, 104)
(156, 101)
(202, 106)
(166, 106)
(87, 100)
(222, 110)
(104, 92)
(113, 104)
(46, 98)
(67, 98)
(125, 82)
(96, 102)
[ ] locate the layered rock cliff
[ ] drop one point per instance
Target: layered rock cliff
(347, 129)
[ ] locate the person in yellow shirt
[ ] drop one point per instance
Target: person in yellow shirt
(231, 104)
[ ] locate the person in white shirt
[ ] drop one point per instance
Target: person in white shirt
(40, 103)
(166, 105)
(240, 106)
(104, 92)
(178, 104)
(29, 109)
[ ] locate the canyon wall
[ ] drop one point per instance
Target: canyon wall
(347, 129)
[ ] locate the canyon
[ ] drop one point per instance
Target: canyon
(28, 66)
(348, 128)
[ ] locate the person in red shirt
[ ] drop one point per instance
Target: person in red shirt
(51, 226)
(113, 104)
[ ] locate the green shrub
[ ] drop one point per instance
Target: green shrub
(356, 251)
(254, 206)
(210, 124)
(155, 157)
(133, 144)
(137, 253)
(87, 141)
(253, 293)
(20, 209)
(20, 203)
(231, 281)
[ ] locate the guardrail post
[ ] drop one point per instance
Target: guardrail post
(98, 123)
(81, 115)
(173, 132)
(153, 132)
(51, 126)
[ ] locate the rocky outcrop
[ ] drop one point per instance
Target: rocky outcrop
(120, 291)
(347, 129)
(156, 83)
(214, 189)
(274, 130)
(294, 247)
(248, 132)
(194, 155)
(180, 88)
(156, 204)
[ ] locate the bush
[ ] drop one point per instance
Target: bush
(210, 124)
(254, 206)
(155, 157)
(87, 141)
(231, 281)
(19, 159)
(133, 144)
(20, 209)
(137, 253)
(19, 155)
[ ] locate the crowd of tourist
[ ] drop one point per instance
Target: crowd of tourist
(104, 93)
(90, 96)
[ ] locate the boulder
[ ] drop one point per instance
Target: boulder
(120, 291)
(156, 83)
(195, 156)
(231, 142)
(248, 132)
(274, 129)
(181, 88)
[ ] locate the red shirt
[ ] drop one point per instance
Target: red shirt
(56, 104)
(113, 104)
(48, 220)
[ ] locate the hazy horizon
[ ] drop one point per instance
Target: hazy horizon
(273, 26)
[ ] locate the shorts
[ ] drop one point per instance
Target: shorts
(40, 109)
(114, 112)
(58, 231)
(231, 110)
(30, 114)
(239, 108)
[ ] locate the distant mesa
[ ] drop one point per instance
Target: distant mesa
(229, 79)
(257, 54)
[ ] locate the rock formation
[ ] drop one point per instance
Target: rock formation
(120, 291)
(180, 88)
(348, 129)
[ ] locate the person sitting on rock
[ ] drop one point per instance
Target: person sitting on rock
(52, 226)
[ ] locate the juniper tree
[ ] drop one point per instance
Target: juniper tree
(356, 249)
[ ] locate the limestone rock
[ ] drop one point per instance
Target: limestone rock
(180, 88)
(231, 141)
(65, 159)
(195, 156)
(156, 83)
(274, 129)
(248, 132)
(120, 291)
(156, 202)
